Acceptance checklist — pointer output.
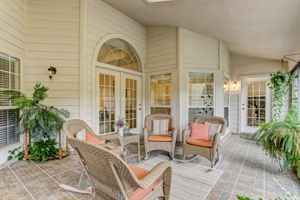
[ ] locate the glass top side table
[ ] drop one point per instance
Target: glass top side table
(130, 138)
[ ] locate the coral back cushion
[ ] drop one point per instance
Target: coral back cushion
(199, 131)
(92, 139)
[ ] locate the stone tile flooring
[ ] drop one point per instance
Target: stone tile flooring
(246, 171)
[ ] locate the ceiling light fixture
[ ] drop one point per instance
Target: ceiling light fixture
(156, 1)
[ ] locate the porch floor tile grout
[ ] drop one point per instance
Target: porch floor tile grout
(26, 189)
(235, 184)
(53, 179)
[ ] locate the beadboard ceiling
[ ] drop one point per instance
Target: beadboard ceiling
(260, 28)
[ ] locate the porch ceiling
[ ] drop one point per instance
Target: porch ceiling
(260, 28)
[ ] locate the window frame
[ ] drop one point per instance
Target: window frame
(125, 44)
(188, 92)
(19, 88)
(228, 86)
(171, 92)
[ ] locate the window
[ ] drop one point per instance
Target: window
(201, 94)
(161, 93)
(296, 88)
(256, 103)
(119, 53)
(9, 79)
(226, 99)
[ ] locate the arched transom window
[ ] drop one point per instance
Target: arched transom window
(119, 53)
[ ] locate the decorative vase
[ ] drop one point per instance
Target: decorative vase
(121, 131)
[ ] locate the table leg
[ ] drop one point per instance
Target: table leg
(139, 151)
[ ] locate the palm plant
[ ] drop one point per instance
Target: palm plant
(42, 121)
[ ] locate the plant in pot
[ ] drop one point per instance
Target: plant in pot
(280, 137)
(120, 124)
(41, 121)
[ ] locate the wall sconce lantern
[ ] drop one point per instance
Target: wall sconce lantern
(234, 85)
(51, 71)
(225, 85)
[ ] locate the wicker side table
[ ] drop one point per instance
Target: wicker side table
(132, 138)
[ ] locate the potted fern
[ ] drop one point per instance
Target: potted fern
(42, 122)
(280, 137)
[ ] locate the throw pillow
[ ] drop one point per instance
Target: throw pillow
(160, 127)
(92, 139)
(81, 135)
(199, 131)
(213, 129)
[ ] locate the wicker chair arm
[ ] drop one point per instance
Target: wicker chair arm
(174, 133)
(163, 169)
(145, 133)
(185, 135)
(216, 141)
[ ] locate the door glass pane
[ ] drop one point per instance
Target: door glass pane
(131, 102)
(201, 94)
(106, 103)
(256, 103)
(161, 93)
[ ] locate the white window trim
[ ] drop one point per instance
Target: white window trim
(171, 94)
(187, 89)
(21, 58)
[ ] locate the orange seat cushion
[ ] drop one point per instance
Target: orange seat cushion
(94, 140)
(120, 148)
(159, 138)
(200, 143)
(139, 193)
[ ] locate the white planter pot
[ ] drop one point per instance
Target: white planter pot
(121, 131)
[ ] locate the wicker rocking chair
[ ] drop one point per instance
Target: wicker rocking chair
(206, 149)
(112, 178)
(72, 127)
(157, 142)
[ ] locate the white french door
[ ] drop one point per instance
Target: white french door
(131, 104)
(119, 95)
(255, 103)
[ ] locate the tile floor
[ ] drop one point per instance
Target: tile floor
(246, 171)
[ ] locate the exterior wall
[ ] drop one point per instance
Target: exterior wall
(201, 53)
(246, 66)
(162, 58)
(198, 51)
(105, 21)
(12, 40)
(161, 48)
(53, 40)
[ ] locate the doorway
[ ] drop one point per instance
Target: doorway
(119, 95)
(255, 103)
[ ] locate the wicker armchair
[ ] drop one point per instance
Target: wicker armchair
(168, 146)
(72, 127)
(210, 149)
(112, 178)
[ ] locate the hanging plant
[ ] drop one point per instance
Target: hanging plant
(280, 137)
(280, 84)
